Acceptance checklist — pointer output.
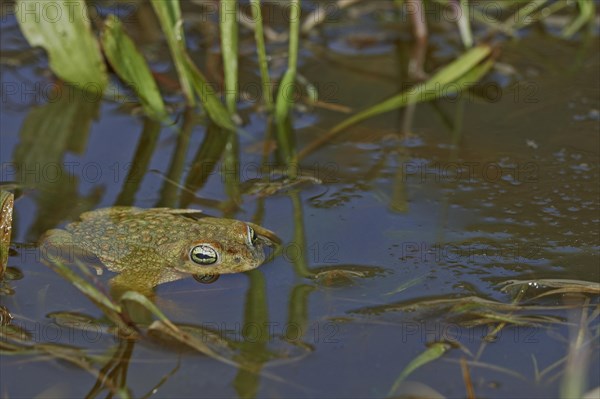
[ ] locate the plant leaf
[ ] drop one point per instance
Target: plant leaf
(145, 302)
(190, 77)
(213, 105)
(64, 31)
(285, 98)
(587, 10)
(435, 351)
(132, 68)
(88, 289)
(262, 53)
(169, 16)
(229, 50)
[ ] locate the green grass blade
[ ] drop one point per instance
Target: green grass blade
(88, 289)
(581, 346)
(169, 16)
(464, 25)
(406, 285)
(151, 307)
(576, 285)
(73, 51)
(587, 10)
(456, 76)
(432, 353)
(229, 50)
(132, 68)
(214, 108)
(285, 96)
(262, 53)
(192, 80)
(460, 66)
(522, 17)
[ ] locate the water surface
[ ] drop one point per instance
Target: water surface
(445, 201)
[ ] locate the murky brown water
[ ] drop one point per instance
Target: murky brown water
(443, 201)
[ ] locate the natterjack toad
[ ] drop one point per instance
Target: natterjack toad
(153, 246)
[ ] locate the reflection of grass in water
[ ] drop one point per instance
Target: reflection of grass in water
(121, 318)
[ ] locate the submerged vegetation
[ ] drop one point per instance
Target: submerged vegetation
(97, 55)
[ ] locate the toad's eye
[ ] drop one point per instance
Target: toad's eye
(204, 254)
(251, 236)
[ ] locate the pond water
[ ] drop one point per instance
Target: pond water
(420, 219)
